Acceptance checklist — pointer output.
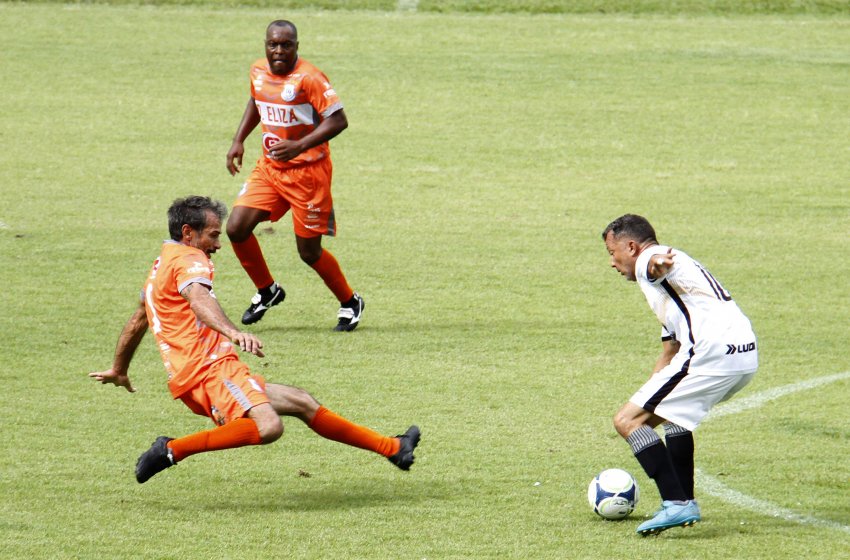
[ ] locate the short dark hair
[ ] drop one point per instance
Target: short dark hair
(631, 226)
(283, 23)
(192, 211)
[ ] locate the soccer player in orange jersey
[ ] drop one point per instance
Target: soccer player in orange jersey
(299, 112)
(199, 345)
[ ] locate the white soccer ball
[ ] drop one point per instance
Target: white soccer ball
(613, 494)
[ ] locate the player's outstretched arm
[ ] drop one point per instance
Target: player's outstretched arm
(130, 338)
(206, 308)
(659, 265)
(250, 120)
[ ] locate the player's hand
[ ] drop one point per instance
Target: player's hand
(248, 343)
(234, 157)
(117, 379)
(285, 150)
(660, 265)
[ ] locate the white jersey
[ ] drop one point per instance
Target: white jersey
(695, 310)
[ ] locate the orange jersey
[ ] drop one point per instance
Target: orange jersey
(292, 106)
(187, 345)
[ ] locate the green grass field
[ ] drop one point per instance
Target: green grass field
(486, 152)
(682, 7)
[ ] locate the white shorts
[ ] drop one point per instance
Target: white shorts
(686, 399)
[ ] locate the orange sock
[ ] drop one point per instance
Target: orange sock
(238, 433)
(335, 427)
(328, 269)
(251, 256)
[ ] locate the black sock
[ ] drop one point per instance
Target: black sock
(680, 445)
(652, 455)
(267, 291)
(656, 463)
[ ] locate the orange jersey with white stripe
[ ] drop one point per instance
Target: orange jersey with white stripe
(292, 106)
(188, 346)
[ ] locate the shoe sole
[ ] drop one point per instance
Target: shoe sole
(659, 530)
(143, 476)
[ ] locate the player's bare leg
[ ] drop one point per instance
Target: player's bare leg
(293, 401)
(268, 422)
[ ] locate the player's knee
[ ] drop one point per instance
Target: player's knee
(236, 231)
(622, 423)
(304, 402)
(309, 255)
(270, 429)
(268, 423)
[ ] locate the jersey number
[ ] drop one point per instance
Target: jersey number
(157, 326)
(721, 293)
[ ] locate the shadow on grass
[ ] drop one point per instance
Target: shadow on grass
(723, 527)
(477, 326)
(385, 494)
(332, 499)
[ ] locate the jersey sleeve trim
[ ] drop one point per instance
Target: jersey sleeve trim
(197, 280)
(331, 110)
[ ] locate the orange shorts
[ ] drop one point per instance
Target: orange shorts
(227, 392)
(305, 189)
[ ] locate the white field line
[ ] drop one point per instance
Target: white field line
(717, 489)
(407, 5)
(712, 486)
(754, 401)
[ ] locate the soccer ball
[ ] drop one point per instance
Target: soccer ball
(613, 494)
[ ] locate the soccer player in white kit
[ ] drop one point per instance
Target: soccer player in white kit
(709, 353)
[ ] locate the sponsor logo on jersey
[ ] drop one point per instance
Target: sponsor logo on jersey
(740, 348)
(217, 416)
(198, 267)
(276, 114)
(257, 79)
(269, 140)
(329, 93)
(288, 93)
(155, 267)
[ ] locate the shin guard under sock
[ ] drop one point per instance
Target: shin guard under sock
(655, 460)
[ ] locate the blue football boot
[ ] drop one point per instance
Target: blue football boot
(670, 515)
